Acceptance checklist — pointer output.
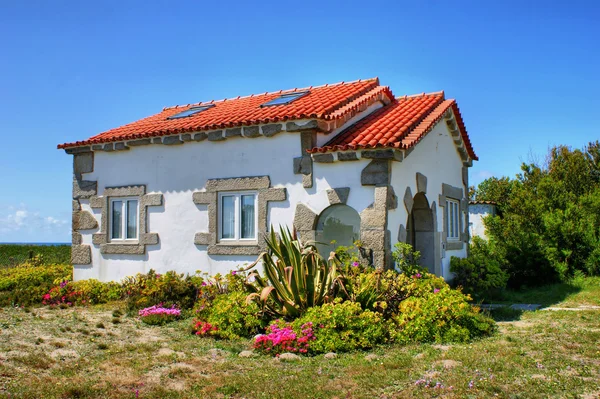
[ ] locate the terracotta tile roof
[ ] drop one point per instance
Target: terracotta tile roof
(401, 124)
(328, 102)
(483, 203)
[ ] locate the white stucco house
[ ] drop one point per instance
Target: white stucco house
(196, 187)
(478, 210)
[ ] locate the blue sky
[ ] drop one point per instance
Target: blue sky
(525, 74)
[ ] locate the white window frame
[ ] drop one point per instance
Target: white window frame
(124, 215)
(452, 216)
(238, 215)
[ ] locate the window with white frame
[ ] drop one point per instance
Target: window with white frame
(452, 219)
(237, 216)
(124, 219)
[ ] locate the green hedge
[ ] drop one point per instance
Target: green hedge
(27, 285)
(15, 254)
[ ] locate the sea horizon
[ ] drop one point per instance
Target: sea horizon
(47, 244)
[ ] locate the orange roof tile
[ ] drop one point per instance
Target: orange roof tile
(401, 124)
(326, 102)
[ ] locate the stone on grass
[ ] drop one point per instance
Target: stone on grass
(287, 356)
(247, 354)
(215, 352)
(330, 355)
(370, 357)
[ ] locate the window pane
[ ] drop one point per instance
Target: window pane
(456, 220)
(451, 219)
(339, 223)
(227, 217)
(117, 227)
(247, 228)
(447, 218)
(132, 210)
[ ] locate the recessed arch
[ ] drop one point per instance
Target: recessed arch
(338, 223)
(420, 230)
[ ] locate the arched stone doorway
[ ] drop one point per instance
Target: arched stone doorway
(420, 231)
(339, 223)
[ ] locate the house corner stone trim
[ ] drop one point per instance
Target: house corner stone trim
(303, 165)
(338, 195)
(455, 193)
(83, 162)
(374, 233)
(265, 194)
(376, 173)
(144, 237)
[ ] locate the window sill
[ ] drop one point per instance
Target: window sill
(454, 245)
(123, 248)
(235, 248)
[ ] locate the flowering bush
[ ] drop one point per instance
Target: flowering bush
(204, 328)
(82, 292)
(157, 315)
(27, 285)
(438, 315)
(171, 288)
(233, 317)
(343, 326)
(284, 339)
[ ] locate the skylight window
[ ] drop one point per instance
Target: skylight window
(191, 111)
(285, 98)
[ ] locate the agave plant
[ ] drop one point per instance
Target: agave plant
(295, 276)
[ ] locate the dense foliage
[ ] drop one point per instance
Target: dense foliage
(82, 292)
(481, 274)
(169, 289)
(343, 326)
(26, 285)
(360, 307)
(549, 222)
(233, 316)
(303, 304)
(15, 254)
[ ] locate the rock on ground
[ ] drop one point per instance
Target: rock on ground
(247, 354)
(330, 355)
(289, 356)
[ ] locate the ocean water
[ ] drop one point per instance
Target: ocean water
(36, 243)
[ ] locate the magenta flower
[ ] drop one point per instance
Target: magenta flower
(355, 264)
(436, 290)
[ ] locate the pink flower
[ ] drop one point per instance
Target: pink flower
(436, 290)
(355, 264)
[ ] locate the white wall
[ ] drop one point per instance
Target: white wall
(476, 214)
(177, 171)
(436, 157)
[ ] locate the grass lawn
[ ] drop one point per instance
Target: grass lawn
(89, 353)
(578, 292)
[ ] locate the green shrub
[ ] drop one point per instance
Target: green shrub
(437, 315)
(481, 274)
(356, 282)
(84, 292)
(407, 259)
(27, 285)
(146, 290)
(550, 214)
(342, 327)
(232, 316)
(15, 254)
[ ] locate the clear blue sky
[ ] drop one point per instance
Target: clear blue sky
(525, 74)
